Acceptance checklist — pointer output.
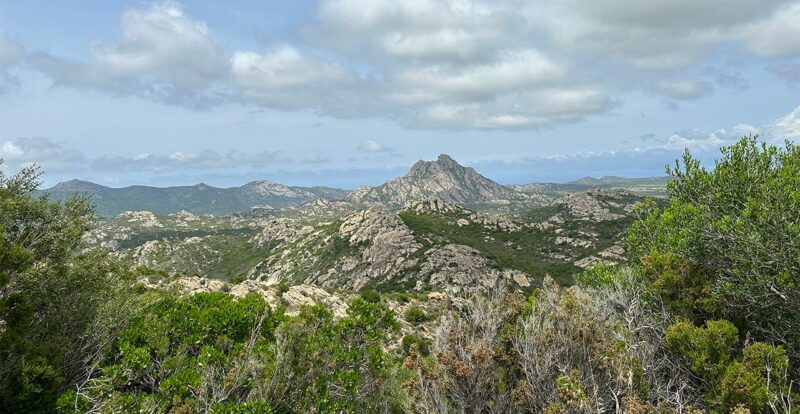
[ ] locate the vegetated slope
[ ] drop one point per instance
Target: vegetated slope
(198, 199)
(447, 180)
(427, 245)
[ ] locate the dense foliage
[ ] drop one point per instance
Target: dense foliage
(728, 243)
(704, 319)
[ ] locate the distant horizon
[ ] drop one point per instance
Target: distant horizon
(566, 181)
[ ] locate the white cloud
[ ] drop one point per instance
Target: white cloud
(527, 109)
(511, 71)
(51, 156)
(372, 146)
(786, 127)
(286, 78)
(777, 36)
(162, 54)
(283, 68)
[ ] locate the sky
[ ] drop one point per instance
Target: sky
(352, 92)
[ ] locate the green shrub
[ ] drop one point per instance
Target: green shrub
(727, 242)
(283, 288)
(370, 295)
(601, 274)
(757, 380)
(684, 290)
(415, 315)
(414, 342)
(708, 350)
(177, 348)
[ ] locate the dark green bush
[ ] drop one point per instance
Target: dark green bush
(415, 315)
(370, 295)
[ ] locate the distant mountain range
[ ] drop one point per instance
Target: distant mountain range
(443, 179)
(199, 199)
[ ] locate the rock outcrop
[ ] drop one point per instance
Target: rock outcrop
(599, 204)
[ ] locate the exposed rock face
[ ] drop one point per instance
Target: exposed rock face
(433, 205)
(387, 246)
(279, 229)
(460, 268)
(613, 254)
(141, 218)
(443, 179)
(380, 249)
(574, 242)
(494, 222)
(384, 233)
(293, 299)
(186, 216)
(270, 189)
(599, 204)
(436, 206)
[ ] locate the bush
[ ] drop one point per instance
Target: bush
(415, 343)
(370, 295)
(415, 315)
(283, 288)
(583, 347)
(709, 350)
(335, 366)
(756, 382)
(726, 244)
(179, 350)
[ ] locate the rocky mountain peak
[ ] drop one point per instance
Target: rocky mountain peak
(443, 164)
(443, 178)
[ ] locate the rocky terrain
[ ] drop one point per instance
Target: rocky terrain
(441, 227)
(431, 244)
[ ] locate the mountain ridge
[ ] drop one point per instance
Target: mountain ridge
(200, 198)
(443, 178)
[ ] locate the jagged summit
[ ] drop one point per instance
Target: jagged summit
(442, 163)
(444, 179)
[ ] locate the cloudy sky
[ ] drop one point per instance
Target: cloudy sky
(349, 92)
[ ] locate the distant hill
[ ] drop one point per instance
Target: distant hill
(652, 186)
(443, 179)
(621, 181)
(198, 199)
